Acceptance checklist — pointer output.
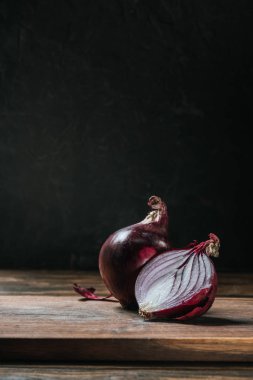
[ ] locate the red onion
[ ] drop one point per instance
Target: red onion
(126, 251)
(179, 284)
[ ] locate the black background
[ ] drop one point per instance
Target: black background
(106, 102)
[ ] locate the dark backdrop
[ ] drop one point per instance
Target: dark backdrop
(106, 102)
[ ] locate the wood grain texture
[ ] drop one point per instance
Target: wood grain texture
(39, 282)
(43, 319)
(64, 328)
(130, 371)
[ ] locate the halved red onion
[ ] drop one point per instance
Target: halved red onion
(179, 284)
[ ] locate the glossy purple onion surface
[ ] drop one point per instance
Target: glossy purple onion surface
(126, 251)
(179, 284)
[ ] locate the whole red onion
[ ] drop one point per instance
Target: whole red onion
(179, 284)
(126, 251)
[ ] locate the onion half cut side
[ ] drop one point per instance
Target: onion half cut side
(179, 284)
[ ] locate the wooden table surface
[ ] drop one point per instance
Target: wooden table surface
(43, 320)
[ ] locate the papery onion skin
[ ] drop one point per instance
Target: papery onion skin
(126, 251)
(202, 300)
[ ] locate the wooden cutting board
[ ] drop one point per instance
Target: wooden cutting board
(42, 319)
(35, 327)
